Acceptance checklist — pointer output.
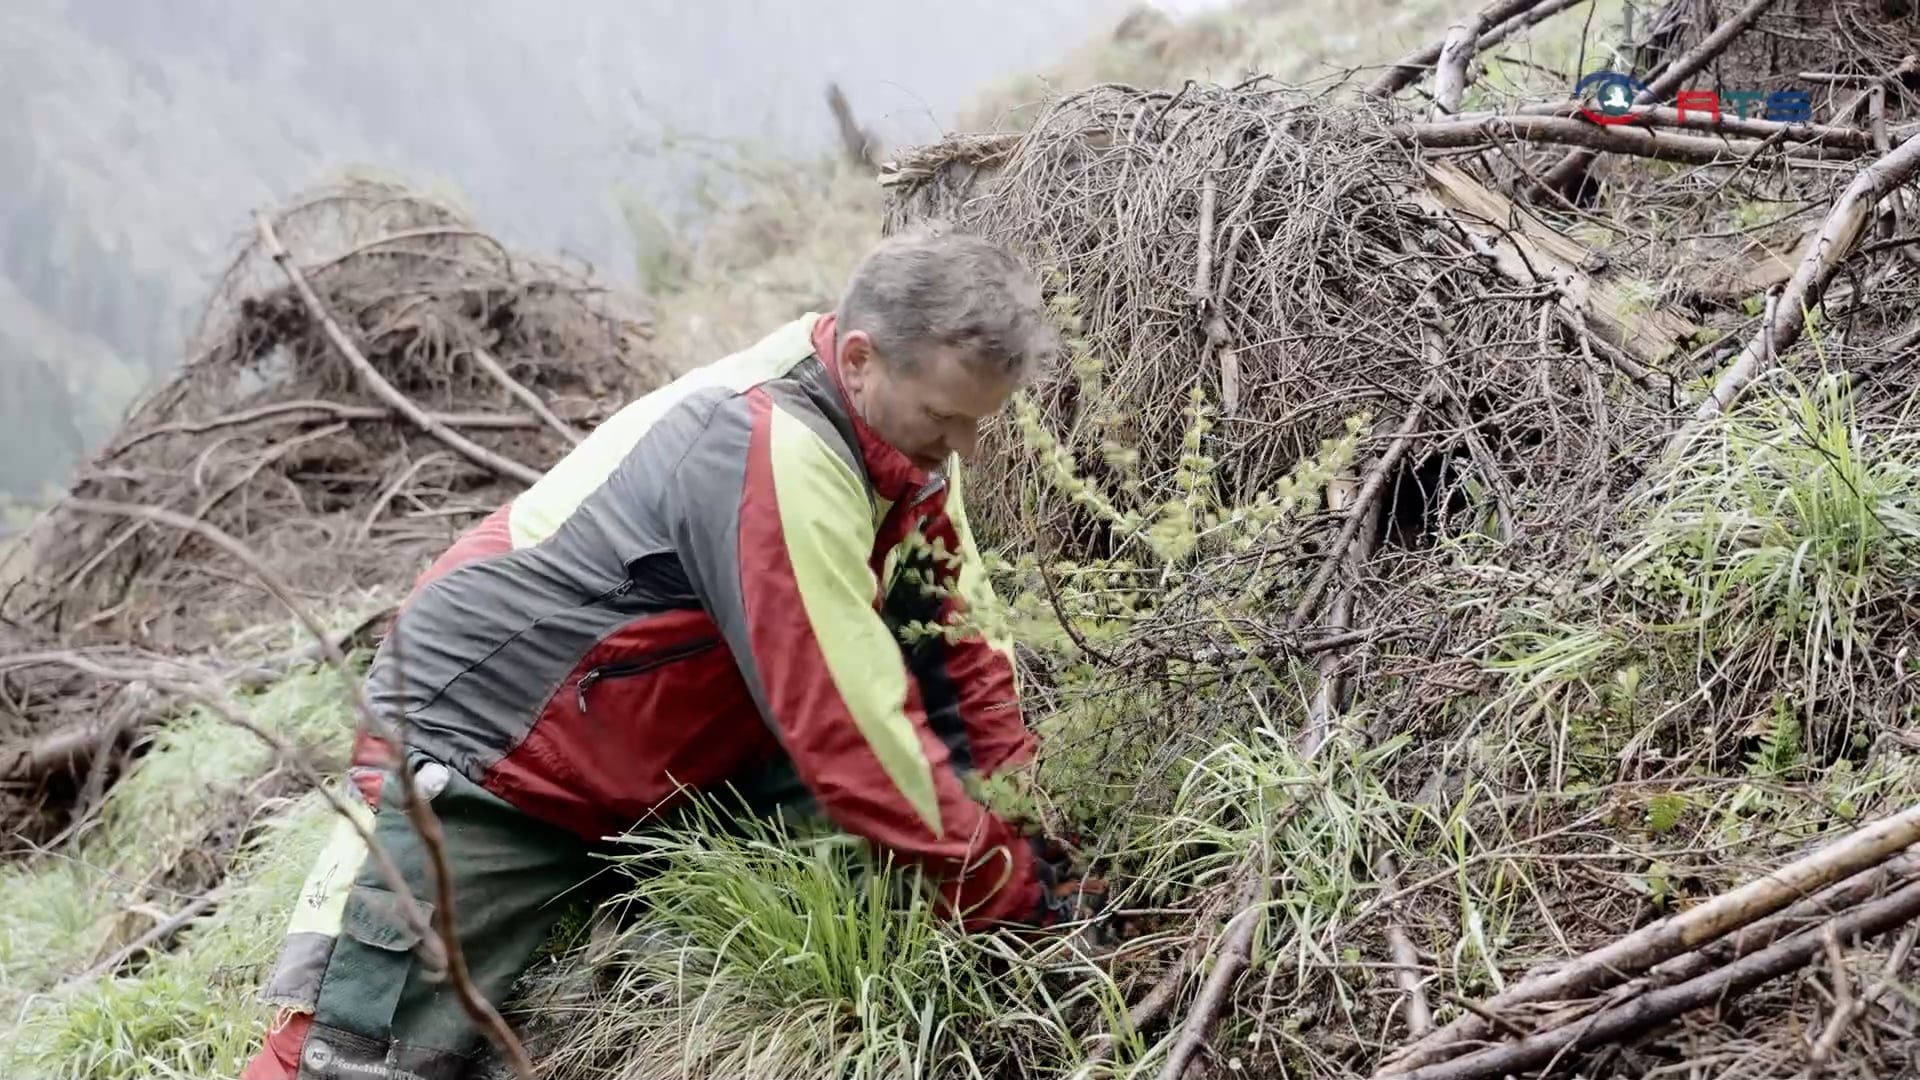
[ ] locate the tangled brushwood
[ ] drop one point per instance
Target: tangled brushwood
(467, 369)
(1606, 611)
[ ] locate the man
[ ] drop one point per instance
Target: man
(705, 595)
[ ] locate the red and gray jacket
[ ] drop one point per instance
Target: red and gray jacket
(693, 598)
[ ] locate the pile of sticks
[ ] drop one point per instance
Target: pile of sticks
(1860, 887)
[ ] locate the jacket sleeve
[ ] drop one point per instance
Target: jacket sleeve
(979, 669)
(775, 530)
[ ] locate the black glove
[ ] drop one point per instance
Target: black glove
(1064, 897)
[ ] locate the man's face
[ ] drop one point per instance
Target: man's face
(929, 412)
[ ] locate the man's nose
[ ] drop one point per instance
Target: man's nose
(965, 442)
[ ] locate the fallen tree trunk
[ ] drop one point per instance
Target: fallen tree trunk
(1677, 934)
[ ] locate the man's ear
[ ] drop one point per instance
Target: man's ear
(856, 350)
(856, 359)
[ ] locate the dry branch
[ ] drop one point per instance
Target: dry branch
(1456, 52)
(1655, 1008)
(375, 382)
(1666, 116)
(155, 936)
(1762, 933)
(1677, 934)
(855, 141)
(1406, 960)
(1361, 511)
(1632, 139)
(1151, 1007)
(1505, 17)
(67, 749)
(1231, 958)
(527, 397)
(1845, 225)
(1532, 254)
(297, 411)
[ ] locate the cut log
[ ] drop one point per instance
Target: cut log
(1532, 253)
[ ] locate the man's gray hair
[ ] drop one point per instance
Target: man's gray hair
(930, 288)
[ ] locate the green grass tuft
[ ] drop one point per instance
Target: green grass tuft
(769, 952)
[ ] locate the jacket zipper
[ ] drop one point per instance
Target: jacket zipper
(628, 668)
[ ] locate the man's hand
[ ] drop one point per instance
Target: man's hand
(1068, 899)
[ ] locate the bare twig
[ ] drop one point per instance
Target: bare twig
(1406, 960)
(527, 397)
(296, 411)
(375, 382)
(156, 935)
(1846, 1008)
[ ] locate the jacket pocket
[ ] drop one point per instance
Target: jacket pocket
(640, 665)
(376, 917)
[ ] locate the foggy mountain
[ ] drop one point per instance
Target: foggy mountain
(136, 137)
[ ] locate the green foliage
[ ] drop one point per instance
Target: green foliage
(1762, 555)
(1664, 812)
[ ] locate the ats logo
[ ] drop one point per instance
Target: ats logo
(1609, 98)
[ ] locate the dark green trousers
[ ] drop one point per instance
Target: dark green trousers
(348, 957)
(376, 1012)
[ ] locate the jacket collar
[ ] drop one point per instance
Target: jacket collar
(894, 476)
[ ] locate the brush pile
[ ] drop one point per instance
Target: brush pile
(1606, 613)
(466, 369)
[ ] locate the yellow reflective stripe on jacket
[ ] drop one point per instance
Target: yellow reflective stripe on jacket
(823, 509)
